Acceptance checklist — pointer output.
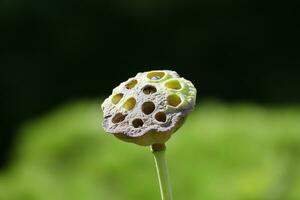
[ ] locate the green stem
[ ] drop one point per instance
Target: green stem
(158, 151)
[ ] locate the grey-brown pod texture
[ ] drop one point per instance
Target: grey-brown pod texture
(148, 108)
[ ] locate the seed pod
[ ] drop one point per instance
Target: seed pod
(148, 108)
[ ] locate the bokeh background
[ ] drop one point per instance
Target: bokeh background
(60, 59)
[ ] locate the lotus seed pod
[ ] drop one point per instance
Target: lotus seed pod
(148, 108)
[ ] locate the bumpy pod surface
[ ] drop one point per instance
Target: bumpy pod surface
(148, 108)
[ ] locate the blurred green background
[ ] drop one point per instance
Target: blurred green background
(59, 58)
(223, 151)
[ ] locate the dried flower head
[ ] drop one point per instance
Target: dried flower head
(148, 108)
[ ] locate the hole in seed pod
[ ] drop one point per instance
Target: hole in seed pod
(119, 117)
(136, 123)
(149, 89)
(173, 100)
(160, 116)
(156, 75)
(173, 84)
(116, 98)
(129, 104)
(148, 107)
(131, 84)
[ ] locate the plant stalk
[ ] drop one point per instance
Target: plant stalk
(158, 151)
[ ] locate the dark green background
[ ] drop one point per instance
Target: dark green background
(54, 51)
